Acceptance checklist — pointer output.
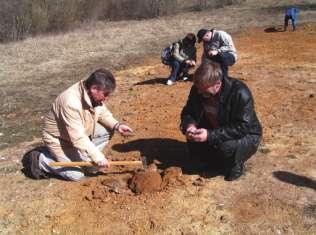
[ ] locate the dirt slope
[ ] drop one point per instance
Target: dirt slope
(36, 70)
(276, 195)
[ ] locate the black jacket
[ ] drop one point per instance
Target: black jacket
(236, 115)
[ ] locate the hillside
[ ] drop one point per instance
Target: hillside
(275, 196)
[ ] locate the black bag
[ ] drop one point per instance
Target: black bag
(166, 54)
(30, 163)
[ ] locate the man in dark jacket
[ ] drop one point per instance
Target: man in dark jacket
(219, 120)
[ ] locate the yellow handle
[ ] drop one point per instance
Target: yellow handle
(111, 163)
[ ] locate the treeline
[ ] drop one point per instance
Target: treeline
(22, 18)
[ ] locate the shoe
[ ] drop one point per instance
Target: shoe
(185, 78)
(234, 173)
(169, 82)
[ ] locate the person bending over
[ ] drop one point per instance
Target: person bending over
(219, 121)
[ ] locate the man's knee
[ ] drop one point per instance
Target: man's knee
(228, 59)
(242, 149)
(228, 148)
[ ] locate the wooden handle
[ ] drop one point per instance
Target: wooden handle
(125, 163)
(111, 163)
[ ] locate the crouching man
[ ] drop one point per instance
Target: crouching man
(219, 121)
(79, 125)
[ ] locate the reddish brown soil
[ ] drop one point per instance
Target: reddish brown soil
(276, 195)
(146, 182)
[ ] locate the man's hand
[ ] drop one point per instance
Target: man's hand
(213, 53)
(190, 131)
(102, 165)
(200, 135)
(190, 62)
(124, 129)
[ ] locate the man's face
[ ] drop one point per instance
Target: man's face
(97, 95)
(207, 37)
(210, 90)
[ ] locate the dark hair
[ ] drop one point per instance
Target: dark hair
(103, 79)
(189, 39)
(207, 73)
(201, 34)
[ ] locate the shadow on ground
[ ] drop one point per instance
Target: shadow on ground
(168, 152)
(291, 178)
(273, 29)
(152, 81)
(161, 80)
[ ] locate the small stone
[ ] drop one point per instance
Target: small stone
(199, 182)
(152, 167)
(88, 197)
(264, 150)
(86, 183)
(291, 156)
(220, 207)
(223, 219)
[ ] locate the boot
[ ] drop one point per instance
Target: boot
(234, 172)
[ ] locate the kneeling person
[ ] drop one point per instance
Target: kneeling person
(218, 46)
(183, 58)
(79, 125)
(219, 120)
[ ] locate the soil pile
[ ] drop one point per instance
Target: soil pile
(145, 182)
(171, 176)
(151, 181)
(101, 188)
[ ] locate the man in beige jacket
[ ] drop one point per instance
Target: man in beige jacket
(79, 125)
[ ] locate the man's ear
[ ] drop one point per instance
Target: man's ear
(93, 88)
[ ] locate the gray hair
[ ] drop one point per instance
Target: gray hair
(103, 79)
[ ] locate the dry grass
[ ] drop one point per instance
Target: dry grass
(36, 70)
(277, 194)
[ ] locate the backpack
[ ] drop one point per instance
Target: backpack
(166, 54)
(30, 162)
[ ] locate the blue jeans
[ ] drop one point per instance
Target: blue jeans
(177, 68)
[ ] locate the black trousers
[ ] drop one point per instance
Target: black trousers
(225, 59)
(286, 22)
(227, 154)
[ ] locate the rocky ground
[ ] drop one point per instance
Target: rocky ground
(275, 196)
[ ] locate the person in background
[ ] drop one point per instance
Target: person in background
(218, 47)
(291, 13)
(183, 58)
(220, 122)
